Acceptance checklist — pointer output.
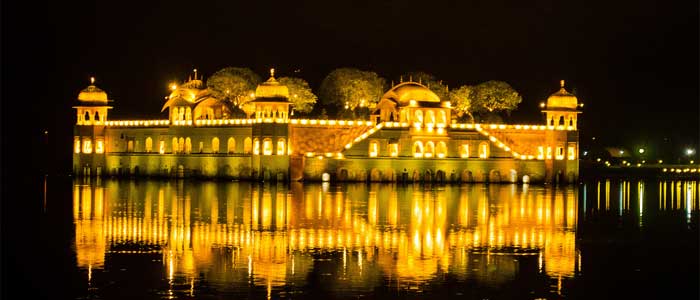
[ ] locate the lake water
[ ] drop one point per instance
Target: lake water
(150, 239)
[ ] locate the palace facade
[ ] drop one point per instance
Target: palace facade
(411, 136)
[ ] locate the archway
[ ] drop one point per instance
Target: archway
(343, 175)
(416, 176)
(428, 176)
(513, 176)
(495, 176)
(467, 176)
(375, 175)
(440, 176)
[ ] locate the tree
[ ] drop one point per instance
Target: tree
(233, 84)
(431, 82)
(493, 96)
(350, 87)
(300, 93)
(462, 99)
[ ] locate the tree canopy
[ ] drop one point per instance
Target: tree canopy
(431, 81)
(493, 96)
(351, 87)
(462, 100)
(233, 84)
(300, 93)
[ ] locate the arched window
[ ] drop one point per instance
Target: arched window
(201, 147)
(549, 153)
(571, 121)
(418, 149)
(161, 147)
(429, 149)
(256, 146)
(561, 120)
(484, 150)
(247, 145)
(182, 114)
(76, 143)
(86, 118)
(100, 146)
(130, 146)
(443, 118)
(572, 152)
(181, 145)
(281, 146)
(215, 145)
(149, 144)
(441, 150)
(188, 114)
(394, 150)
(540, 152)
(97, 116)
(188, 145)
(267, 146)
(560, 153)
(464, 150)
(176, 147)
(87, 146)
(373, 149)
(430, 118)
(551, 121)
(419, 116)
(231, 145)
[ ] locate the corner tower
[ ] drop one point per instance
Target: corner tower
(271, 130)
(89, 143)
(561, 147)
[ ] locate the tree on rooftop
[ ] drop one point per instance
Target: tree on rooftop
(350, 87)
(495, 96)
(300, 94)
(429, 80)
(233, 84)
(462, 100)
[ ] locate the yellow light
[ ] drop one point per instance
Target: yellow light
(309, 154)
(173, 87)
(542, 104)
(99, 147)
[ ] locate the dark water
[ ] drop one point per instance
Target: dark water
(127, 239)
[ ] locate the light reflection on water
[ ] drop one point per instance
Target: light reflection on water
(273, 240)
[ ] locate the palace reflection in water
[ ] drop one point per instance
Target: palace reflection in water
(276, 240)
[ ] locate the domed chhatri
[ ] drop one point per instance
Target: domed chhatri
(405, 92)
(271, 88)
(562, 99)
(93, 94)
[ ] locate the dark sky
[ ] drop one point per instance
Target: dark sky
(633, 63)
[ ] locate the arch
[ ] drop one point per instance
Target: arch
(161, 147)
(440, 176)
(176, 148)
(571, 121)
(149, 144)
(267, 146)
(430, 118)
(429, 149)
(467, 176)
(418, 149)
(484, 151)
(281, 146)
(180, 145)
(130, 146)
(76, 144)
(495, 176)
(428, 176)
(561, 120)
(526, 179)
(343, 175)
(256, 146)
(97, 116)
(215, 145)
(180, 171)
(188, 145)
(188, 114)
(551, 121)
(419, 116)
(87, 146)
(247, 145)
(416, 176)
(231, 145)
(464, 150)
(87, 116)
(375, 175)
(513, 176)
(441, 150)
(442, 120)
(182, 114)
(373, 148)
(394, 150)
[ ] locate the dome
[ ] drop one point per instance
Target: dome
(407, 91)
(271, 88)
(92, 93)
(562, 99)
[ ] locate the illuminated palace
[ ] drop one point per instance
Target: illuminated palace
(411, 136)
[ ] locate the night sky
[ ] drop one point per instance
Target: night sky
(633, 63)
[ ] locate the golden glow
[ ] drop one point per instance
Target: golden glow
(540, 152)
(215, 145)
(256, 146)
(394, 150)
(161, 147)
(418, 149)
(99, 147)
(560, 153)
(429, 150)
(373, 148)
(441, 150)
(280, 146)
(484, 150)
(464, 151)
(87, 146)
(572, 152)
(549, 153)
(267, 146)
(76, 144)
(149, 144)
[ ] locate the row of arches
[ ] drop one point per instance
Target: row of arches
(90, 117)
(432, 176)
(184, 145)
(85, 145)
(562, 121)
(429, 118)
(181, 113)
